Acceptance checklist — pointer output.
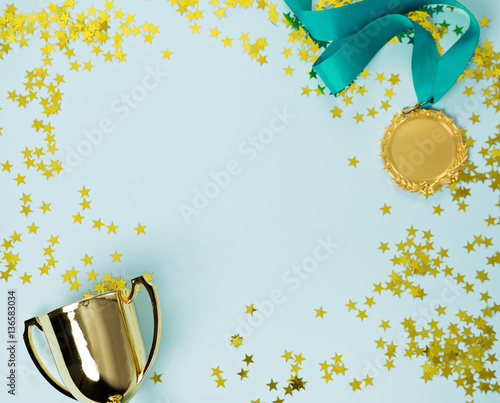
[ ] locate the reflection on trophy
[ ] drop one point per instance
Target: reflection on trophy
(97, 345)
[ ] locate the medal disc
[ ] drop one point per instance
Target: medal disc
(423, 149)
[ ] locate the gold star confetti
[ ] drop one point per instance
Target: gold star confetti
(250, 309)
(236, 340)
(248, 359)
(220, 382)
(243, 374)
(353, 161)
(386, 209)
(166, 54)
(116, 256)
(156, 378)
(140, 229)
(26, 278)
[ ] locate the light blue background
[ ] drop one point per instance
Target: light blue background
(241, 246)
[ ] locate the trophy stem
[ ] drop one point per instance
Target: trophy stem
(115, 398)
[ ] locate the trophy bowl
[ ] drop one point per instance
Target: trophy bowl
(97, 345)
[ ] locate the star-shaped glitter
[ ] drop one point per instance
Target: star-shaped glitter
(156, 378)
(250, 309)
(353, 161)
(386, 209)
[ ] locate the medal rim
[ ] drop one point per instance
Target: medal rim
(455, 167)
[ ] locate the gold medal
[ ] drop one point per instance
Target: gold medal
(423, 149)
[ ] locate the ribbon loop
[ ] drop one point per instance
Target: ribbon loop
(358, 31)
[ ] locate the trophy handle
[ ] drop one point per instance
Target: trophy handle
(28, 340)
(155, 302)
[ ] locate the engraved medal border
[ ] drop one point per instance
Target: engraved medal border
(425, 187)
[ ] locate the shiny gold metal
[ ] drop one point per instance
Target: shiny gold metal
(423, 149)
(97, 345)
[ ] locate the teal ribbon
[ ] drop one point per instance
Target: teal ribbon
(358, 31)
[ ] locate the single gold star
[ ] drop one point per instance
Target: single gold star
(243, 374)
(389, 93)
(272, 385)
(166, 54)
(116, 256)
(26, 278)
(355, 384)
(26, 198)
(248, 359)
(351, 305)
(298, 358)
(26, 210)
(385, 105)
(320, 312)
(216, 371)
(45, 207)
(92, 275)
(140, 229)
(372, 112)
(214, 32)
(358, 117)
(383, 246)
(111, 228)
(84, 192)
(97, 224)
(361, 314)
(385, 325)
(474, 119)
(227, 41)
(368, 380)
(74, 285)
(288, 355)
(236, 340)
(77, 218)
(87, 259)
(44, 270)
(156, 378)
(220, 382)
(20, 179)
(336, 112)
(369, 301)
(394, 79)
(288, 71)
(353, 161)
(437, 209)
(6, 166)
(85, 204)
(32, 228)
(195, 28)
(250, 309)
(484, 22)
(389, 364)
(386, 209)
(287, 52)
(88, 294)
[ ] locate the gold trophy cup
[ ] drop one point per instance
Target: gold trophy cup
(97, 345)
